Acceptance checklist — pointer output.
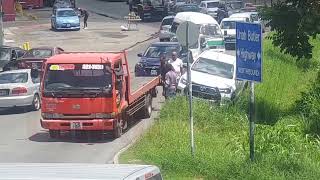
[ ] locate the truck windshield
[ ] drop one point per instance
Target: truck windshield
(77, 77)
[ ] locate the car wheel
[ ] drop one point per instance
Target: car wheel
(54, 133)
(36, 103)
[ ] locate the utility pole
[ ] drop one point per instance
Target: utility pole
(1, 24)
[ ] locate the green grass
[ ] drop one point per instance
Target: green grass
(282, 149)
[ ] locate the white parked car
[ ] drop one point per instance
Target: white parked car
(210, 7)
(228, 28)
(20, 88)
(164, 32)
(213, 77)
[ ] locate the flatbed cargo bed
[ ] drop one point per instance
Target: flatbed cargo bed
(141, 85)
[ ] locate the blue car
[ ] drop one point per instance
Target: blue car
(65, 19)
(149, 64)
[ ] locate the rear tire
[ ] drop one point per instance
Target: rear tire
(147, 109)
(117, 131)
(54, 134)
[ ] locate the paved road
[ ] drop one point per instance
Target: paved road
(23, 140)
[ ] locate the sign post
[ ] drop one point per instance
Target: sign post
(249, 65)
(188, 33)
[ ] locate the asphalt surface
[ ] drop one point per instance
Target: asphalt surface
(23, 140)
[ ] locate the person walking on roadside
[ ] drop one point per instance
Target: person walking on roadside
(85, 15)
(170, 82)
(163, 71)
(177, 64)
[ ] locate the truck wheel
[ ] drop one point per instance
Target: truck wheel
(154, 92)
(117, 131)
(54, 133)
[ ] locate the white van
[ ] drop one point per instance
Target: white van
(228, 28)
(72, 171)
(210, 37)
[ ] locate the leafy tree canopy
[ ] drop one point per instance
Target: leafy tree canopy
(294, 22)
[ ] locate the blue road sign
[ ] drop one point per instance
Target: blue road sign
(249, 51)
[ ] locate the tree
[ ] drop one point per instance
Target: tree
(293, 23)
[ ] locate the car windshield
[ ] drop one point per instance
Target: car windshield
(255, 17)
(211, 30)
(66, 13)
(8, 78)
(181, 1)
(167, 21)
(77, 76)
(235, 5)
(39, 53)
(156, 51)
(228, 25)
(5, 54)
(214, 67)
(212, 4)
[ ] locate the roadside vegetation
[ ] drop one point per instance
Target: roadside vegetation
(288, 122)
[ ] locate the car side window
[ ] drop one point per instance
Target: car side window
(155, 177)
(13, 54)
(35, 80)
(20, 53)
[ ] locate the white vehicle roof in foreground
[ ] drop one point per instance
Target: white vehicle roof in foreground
(195, 17)
(68, 171)
(218, 56)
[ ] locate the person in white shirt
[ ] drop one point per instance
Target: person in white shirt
(177, 64)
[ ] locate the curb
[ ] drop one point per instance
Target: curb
(106, 15)
(153, 36)
(116, 156)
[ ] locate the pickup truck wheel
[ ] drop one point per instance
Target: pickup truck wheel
(54, 133)
(117, 131)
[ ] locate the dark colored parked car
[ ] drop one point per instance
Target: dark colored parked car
(35, 57)
(149, 64)
(9, 57)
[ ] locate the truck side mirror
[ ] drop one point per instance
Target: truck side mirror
(139, 55)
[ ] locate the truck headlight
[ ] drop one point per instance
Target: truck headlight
(225, 90)
(51, 115)
(104, 115)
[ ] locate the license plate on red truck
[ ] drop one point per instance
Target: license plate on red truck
(75, 125)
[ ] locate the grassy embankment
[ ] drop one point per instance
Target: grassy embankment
(283, 149)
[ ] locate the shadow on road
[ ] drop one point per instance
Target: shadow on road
(73, 137)
(16, 110)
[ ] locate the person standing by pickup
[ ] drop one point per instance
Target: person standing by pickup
(177, 64)
(170, 82)
(163, 71)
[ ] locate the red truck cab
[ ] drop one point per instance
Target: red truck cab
(91, 91)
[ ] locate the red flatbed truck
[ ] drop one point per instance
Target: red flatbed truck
(92, 92)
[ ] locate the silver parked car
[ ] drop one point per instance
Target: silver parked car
(164, 33)
(20, 88)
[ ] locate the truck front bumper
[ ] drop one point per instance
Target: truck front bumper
(86, 125)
